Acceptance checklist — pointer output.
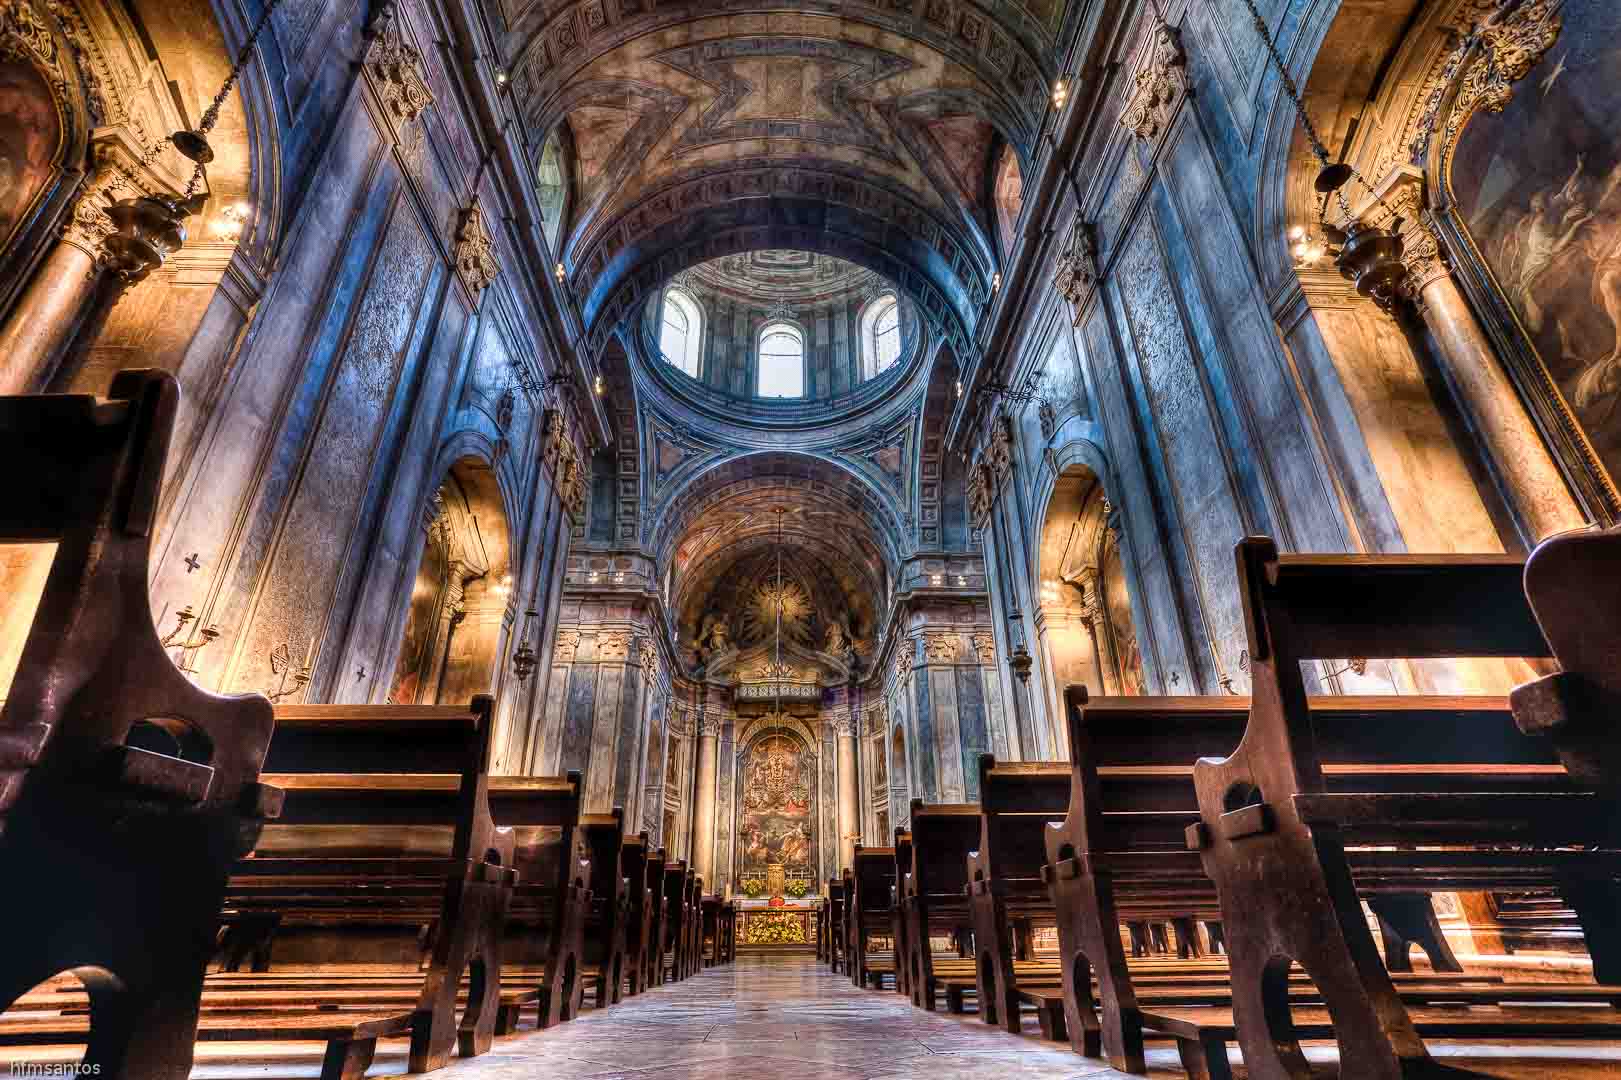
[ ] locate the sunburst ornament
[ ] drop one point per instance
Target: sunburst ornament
(785, 597)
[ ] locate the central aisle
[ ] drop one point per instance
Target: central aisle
(769, 1016)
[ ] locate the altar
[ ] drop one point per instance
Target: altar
(778, 923)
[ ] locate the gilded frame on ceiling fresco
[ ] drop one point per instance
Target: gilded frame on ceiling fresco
(1480, 76)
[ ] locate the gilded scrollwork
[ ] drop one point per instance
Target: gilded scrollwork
(396, 70)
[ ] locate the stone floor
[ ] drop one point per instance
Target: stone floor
(786, 1015)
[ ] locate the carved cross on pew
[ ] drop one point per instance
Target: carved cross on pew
(192, 562)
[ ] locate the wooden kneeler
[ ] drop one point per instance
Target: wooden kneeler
(126, 793)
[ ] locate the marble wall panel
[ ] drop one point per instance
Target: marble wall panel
(972, 727)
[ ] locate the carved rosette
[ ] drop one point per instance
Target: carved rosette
(985, 648)
(941, 648)
(1077, 268)
(396, 70)
(568, 642)
(475, 251)
(613, 645)
(1160, 82)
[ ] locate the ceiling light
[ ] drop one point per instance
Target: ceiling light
(500, 77)
(599, 386)
(1060, 93)
(996, 283)
(559, 273)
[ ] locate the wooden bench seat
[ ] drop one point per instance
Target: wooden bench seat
(1121, 856)
(934, 893)
(872, 877)
(361, 862)
(1280, 836)
(1202, 1034)
(830, 926)
(351, 1037)
(126, 792)
(1007, 894)
(638, 865)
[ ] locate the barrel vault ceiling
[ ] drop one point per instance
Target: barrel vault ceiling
(697, 129)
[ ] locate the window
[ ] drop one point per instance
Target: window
(781, 371)
(551, 188)
(682, 332)
(880, 336)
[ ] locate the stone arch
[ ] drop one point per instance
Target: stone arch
(454, 622)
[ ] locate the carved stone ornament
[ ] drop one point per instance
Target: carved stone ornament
(613, 645)
(985, 648)
(25, 36)
(1077, 268)
(568, 641)
(1160, 82)
(979, 493)
(903, 661)
(88, 225)
(844, 725)
(999, 455)
(1047, 414)
(396, 69)
(475, 251)
(1497, 55)
(941, 648)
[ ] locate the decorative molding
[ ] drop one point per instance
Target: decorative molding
(904, 659)
(475, 251)
(87, 225)
(979, 494)
(613, 645)
(1160, 82)
(397, 72)
(568, 642)
(1077, 269)
(985, 647)
(941, 648)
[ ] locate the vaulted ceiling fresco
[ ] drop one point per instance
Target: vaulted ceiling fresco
(866, 132)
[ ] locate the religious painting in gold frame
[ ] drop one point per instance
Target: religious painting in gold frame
(1526, 135)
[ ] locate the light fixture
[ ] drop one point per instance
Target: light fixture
(231, 220)
(1060, 93)
(559, 273)
(996, 283)
(598, 386)
(959, 388)
(500, 76)
(1367, 254)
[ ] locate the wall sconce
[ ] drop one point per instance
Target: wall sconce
(231, 220)
(1060, 93)
(959, 388)
(598, 386)
(523, 658)
(1306, 248)
(500, 76)
(281, 663)
(996, 283)
(559, 273)
(181, 637)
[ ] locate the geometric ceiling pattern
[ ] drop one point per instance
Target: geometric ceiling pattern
(863, 131)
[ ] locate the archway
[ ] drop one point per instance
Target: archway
(1084, 619)
(450, 644)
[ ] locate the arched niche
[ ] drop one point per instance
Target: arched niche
(1084, 618)
(778, 806)
(450, 644)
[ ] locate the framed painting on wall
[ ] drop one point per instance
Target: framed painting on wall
(1528, 144)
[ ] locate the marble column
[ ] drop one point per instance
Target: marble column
(1532, 484)
(1091, 585)
(46, 317)
(1531, 480)
(703, 808)
(849, 790)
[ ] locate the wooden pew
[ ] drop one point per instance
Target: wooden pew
(636, 865)
(934, 895)
(1018, 800)
(1277, 829)
(653, 950)
(694, 947)
(609, 915)
(117, 830)
(675, 919)
(403, 836)
(897, 913)
(713, 937)
(870, 909)
(729, 927)
(1574, 592)
(832, 923)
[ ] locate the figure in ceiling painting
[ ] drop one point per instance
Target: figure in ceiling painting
(1539, 187)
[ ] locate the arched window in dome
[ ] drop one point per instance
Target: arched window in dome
(551, 187)
(780, 368)
(681, 334)
(880, 335)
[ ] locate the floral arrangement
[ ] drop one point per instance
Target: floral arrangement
(774, 928)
